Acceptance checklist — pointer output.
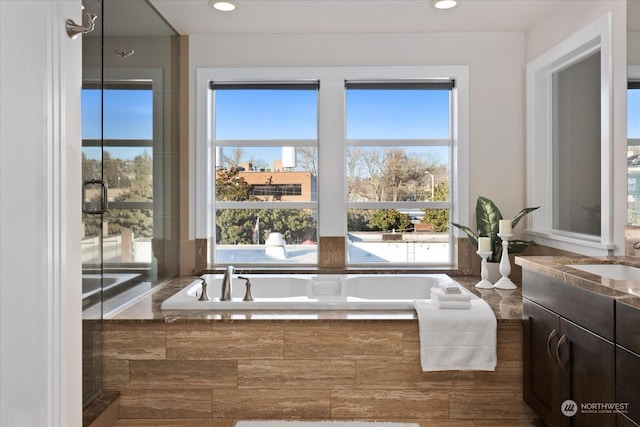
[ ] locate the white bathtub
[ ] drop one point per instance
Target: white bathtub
(313, 292)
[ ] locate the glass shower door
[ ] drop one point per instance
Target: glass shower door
(130, 138)
(94, 205)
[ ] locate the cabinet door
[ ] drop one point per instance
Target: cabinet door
(541, 333)
(587, 374)
(627, 387)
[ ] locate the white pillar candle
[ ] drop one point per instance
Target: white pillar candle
(505, 226)
(484, 244)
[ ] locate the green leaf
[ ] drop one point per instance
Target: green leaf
(522, 213)
(488, 217)
(473, 237)
(496, 248)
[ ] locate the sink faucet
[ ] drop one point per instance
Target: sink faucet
(226, 284)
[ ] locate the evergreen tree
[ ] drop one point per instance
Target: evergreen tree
(438, 218)
(390, 219)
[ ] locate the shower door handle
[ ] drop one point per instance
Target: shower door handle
(103, 197)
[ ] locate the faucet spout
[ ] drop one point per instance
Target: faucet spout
(226, 284)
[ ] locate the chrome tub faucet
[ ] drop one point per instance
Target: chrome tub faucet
(226, 284)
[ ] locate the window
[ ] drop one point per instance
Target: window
(276, 191)
(118, 139)
(398, 174)
(265, 137)
(633, 150)
(317, 152)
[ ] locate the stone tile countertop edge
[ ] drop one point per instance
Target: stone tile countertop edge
(507, 306)
(559, 268)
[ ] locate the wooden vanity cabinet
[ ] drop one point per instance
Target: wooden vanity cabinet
(628, 362)
(564, 359)
(541, 391)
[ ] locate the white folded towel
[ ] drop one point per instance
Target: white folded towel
(437, 293)
(460, 305)
(457, 339)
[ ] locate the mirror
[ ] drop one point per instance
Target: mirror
(576, 146)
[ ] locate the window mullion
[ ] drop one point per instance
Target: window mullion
(331, 164)
(399, 142)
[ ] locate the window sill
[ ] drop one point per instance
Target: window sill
(579, 244)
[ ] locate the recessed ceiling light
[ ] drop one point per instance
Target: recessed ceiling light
(223, 6)
(444, 4)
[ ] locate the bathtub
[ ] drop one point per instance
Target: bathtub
(313, 292)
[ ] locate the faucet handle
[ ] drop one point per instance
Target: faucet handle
(247, 295)
(203, 294)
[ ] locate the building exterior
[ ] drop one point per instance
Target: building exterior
(280, 184)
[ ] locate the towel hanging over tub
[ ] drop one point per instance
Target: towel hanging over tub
(457, 340)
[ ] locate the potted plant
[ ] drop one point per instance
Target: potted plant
(488, 217)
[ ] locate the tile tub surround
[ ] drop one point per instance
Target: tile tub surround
(212, 369)
(301, 369)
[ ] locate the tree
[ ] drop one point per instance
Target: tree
(235, 226)
(91, 168)
(390, 174)
(117, 172)
(140, 221)
(294, 224)
(230, 186)
(234, 160)
(358, 220)
(390, 219)
(308, 158)
(438, 218)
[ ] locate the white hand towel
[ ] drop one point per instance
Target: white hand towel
(457, 339)
(441, 296)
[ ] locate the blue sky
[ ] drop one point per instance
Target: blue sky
(258, 114)
(633, 113)
(292, 114)
(128, 114)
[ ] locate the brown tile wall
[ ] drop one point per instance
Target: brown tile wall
(213, 373)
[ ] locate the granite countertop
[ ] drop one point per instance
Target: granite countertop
(507, 306)
(558, 267)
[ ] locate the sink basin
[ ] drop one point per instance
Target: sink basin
(611, 271)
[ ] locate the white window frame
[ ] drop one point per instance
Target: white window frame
(332, 204)
(633, 74)
(406, 205)
(590, 39)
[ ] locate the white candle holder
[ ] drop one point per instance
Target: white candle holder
(505, 265)
(484, 274)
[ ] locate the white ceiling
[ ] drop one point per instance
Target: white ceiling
(353, 16)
